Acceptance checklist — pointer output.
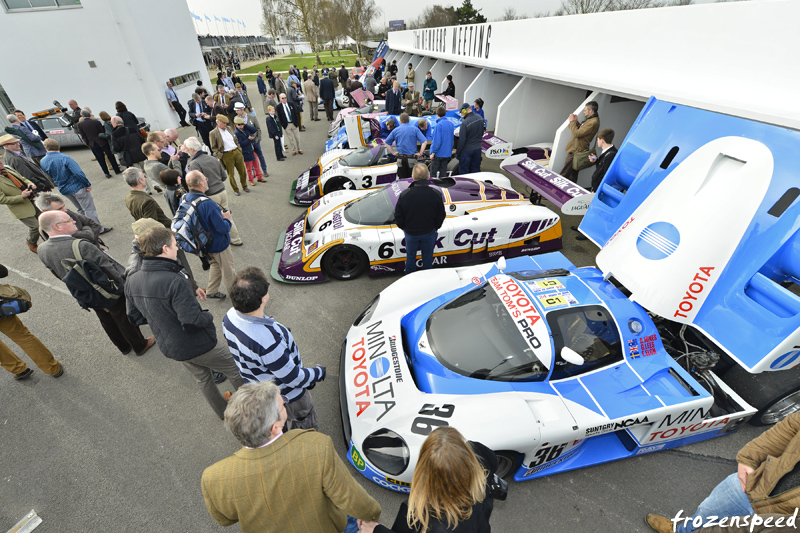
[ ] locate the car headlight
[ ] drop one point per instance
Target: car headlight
(387, 450)
(366, 314)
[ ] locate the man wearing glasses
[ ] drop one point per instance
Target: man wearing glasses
(288, 115)
(61, 228)
(264, 349)
(287, 475)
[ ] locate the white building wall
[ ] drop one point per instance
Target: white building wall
(137, 45)
(725, 57)
(492, 87)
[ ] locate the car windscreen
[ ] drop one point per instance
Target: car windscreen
(475, 336)
(374, 209)
(360, 158)
(591, 332)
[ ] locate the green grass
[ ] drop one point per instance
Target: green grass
(308, 60)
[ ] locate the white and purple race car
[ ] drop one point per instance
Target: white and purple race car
(347, 233)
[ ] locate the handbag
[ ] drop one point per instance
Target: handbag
(496, 487)
(580, 160)
(13, 300)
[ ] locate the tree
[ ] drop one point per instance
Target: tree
(510, 13)
(434, 17)
(577, 7)
(359, 15)
(468, 14)
(304, 16)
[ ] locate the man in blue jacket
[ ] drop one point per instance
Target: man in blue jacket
(406, 138)
(217, 222)
(70, 180)
(442, 147)
(262, 90)
(469, 141)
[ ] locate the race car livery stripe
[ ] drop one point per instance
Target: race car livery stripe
(549, 234)
(490, 207)
(462, 202)
(592, 397)
(313, 257)
(419, 254)
(323, 216)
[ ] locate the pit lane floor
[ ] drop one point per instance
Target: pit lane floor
(119, 442)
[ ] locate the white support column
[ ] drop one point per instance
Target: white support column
(618, 114)
(424, 66)
(463, 76)
(439, 70)
(533, 111)
(492, 87)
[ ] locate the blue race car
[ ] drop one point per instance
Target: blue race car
(555, 367)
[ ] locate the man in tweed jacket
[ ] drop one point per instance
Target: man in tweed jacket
(278, 482)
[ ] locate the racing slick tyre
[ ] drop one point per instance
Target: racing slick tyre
(774, 394)
(452, 166)
(345, 262)
(338, 183)
(507, 463)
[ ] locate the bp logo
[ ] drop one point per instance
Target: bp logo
(358, 462)
(658, 241)
(379, 367)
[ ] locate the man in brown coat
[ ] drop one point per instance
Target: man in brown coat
(312, 93)
(15, 192)
(299, 469)
(767, 482)
(582, 134)
(225, 147)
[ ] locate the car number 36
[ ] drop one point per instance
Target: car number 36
(423, 425)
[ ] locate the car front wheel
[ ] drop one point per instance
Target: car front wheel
(345, 262)
(507, 463)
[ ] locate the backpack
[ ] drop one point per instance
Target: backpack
(88, 283)
(13, 300)
(189, 232)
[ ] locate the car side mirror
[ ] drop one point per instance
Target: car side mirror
(571, 356)
(501, 265)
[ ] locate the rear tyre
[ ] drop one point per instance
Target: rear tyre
(338, 183)
(507, 463)
(774, 394)
(345, 262)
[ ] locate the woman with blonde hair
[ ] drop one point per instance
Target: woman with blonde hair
(448, 489)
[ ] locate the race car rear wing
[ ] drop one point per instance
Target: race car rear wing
(699, 217)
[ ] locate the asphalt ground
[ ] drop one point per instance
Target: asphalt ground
(118, 443)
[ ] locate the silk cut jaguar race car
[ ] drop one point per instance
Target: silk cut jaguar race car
(557, 368)
(361, 168)
(347, 233)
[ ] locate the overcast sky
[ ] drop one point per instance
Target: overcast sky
(249, 11)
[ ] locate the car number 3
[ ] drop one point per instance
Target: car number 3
(545, 455)
(423, 425)
(366, 182)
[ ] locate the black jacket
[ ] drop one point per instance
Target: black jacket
(161, 295)
(470, 134)
(128, 144)
(478, 522)
(130, 121)
(282, 115)
(603, 162)
(326, 90)
(420, 209)
(273, 126)
(343, 75)
(393, 102)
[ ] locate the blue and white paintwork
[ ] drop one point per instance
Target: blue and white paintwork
(393, 378)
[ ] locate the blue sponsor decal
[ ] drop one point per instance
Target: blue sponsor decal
(379, 367)
(658, 241)
(785, 360)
